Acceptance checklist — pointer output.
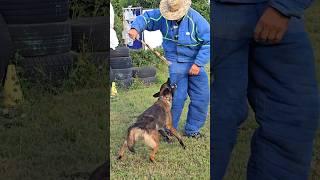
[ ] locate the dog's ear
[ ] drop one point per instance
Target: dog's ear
(168, 81)
(156, 94)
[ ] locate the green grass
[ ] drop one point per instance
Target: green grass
(56, 137)
(238, 163)
(172, 162)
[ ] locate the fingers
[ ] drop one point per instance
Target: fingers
(197, 71)
(279, 36)
(271, 35)
(194, 70)
(271, 26)
(133, 34)
(258, 31)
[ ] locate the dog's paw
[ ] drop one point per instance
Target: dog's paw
(119, 157)
(152, 160)
(131, 149)
(168, 140)
(182, 144)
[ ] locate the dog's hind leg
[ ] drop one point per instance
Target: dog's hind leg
(133, 136)
(152, 140)
(122, 149)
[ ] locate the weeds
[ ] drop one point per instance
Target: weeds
(88, 8)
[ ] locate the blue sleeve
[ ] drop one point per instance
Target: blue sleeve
(203, 36)
(150, 20)
(291, 8)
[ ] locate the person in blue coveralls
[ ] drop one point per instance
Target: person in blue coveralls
(262, 55)
(186, 45)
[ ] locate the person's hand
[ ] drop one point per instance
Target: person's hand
(194, 70)
(133, 34)
(271, 26)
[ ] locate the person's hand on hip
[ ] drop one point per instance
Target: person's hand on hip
(271, 26)
(194, 70)
(133, 34)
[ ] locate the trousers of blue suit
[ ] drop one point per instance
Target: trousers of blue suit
(278, 81)
(197, 88)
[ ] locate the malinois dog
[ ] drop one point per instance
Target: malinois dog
(153, 121)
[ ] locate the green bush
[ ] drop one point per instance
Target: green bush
(86, 74)
(88, 8)
(145, 58)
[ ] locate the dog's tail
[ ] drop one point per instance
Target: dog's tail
(128, 143)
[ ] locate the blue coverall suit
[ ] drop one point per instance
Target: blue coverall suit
(278, 80)
(184, 44)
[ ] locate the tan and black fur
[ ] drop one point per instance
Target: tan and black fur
(152, 122)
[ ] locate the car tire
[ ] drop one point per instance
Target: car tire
(121, 74)
(92, 31)
(125, 83)
(41, 39)
(111, 75)
(34, 11)
(148, 80)
(52, 68)
(6, 48)
(120, 62)
(119, 52)
(144, 72)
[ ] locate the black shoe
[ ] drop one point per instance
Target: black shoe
(195, 135)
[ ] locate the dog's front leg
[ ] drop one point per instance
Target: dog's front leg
(165, 136)
(176, 134)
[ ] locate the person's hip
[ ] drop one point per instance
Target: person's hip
(238, 21)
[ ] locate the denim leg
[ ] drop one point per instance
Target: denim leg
(180, 96)
(229, 100)
(284, 95)
(198, 91)
(233, 29)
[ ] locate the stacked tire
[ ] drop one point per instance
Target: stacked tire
(146, 75)
(121, 67)
(89, 35)
(41, 36)
(5, 48)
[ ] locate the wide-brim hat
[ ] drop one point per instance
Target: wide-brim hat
(174, 9)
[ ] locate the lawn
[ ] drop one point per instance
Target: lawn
(237, 168)
(55, 136)
(172, 162)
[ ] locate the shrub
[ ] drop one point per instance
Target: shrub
(145, 58)
(88, 8)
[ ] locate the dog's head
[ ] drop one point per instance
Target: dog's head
(166, 90)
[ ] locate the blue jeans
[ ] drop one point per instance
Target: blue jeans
(278, 81)
(197, 87)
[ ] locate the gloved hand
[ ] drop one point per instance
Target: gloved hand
(271, 26)
(194, 70)
(133, 34)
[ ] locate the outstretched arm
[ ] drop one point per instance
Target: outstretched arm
(150, 21)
